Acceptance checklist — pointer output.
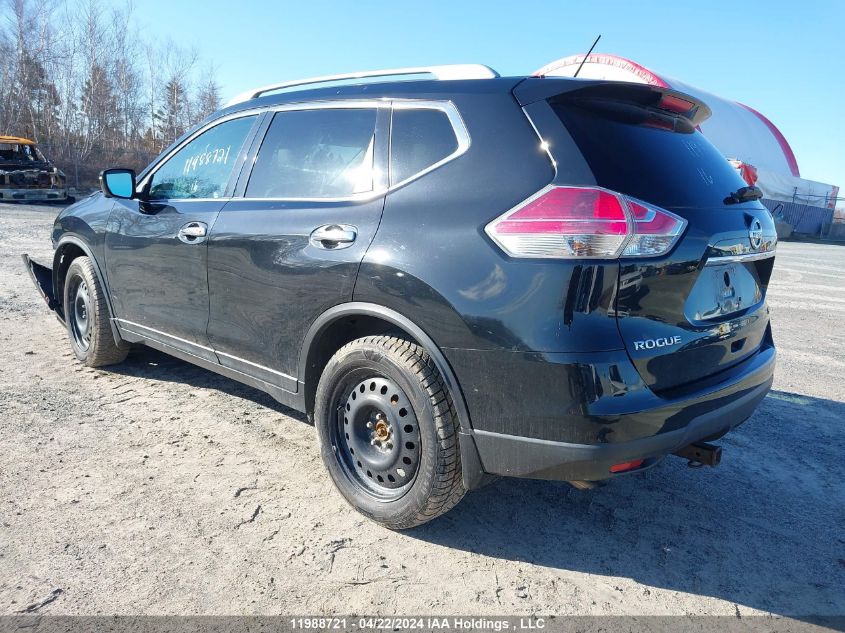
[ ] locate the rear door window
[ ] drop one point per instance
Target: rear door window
(419, 139)
(321, 153)
(632, 152)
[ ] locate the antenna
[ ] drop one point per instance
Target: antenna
(586, 56)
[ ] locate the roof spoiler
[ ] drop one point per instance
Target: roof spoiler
(665, 100)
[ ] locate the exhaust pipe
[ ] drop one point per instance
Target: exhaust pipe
(701, 454)
(585, 485)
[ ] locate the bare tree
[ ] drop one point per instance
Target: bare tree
(208, 95)
(126, 76)
(79, 79)
(25, 41)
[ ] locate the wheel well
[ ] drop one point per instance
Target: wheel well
(334, 336)
(61, 262)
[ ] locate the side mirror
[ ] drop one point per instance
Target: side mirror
(118, 183)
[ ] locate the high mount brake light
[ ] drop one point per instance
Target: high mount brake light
(585, 222)
(675, 104)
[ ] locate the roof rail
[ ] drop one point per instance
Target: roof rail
(446, 71)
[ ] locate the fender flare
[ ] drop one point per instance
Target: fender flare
(473, 473)
(83, 246)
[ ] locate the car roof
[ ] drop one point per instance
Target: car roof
(402, 89)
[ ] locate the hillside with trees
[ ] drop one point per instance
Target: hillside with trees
(80, 78)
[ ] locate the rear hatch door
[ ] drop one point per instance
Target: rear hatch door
(701, 308)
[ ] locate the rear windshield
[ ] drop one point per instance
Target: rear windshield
(633, 151)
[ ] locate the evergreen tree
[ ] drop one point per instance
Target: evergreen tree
(176, 110)
(98, 107)
(208, 98)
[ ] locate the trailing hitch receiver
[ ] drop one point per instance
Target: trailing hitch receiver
(701, 454)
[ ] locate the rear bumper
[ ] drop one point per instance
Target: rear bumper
(618, 427)
(543, 459)
(33, 194)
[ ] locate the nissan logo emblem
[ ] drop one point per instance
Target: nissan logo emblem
(755, 234)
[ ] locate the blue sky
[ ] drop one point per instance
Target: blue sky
(782, 58)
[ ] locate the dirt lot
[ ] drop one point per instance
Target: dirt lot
(159, 488)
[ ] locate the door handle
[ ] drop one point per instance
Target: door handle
(193, 233)
(334, 236)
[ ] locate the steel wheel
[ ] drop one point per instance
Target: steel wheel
(377, 438)
(79, 313)
(388, 431)
(87, 317)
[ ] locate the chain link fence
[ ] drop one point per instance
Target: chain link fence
(803, 218)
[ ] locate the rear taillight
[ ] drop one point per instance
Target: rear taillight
(655, 230)
(626, 466)
(585, 222)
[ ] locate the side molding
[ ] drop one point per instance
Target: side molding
(473, 475)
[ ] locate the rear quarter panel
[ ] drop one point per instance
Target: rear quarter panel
(432, 261)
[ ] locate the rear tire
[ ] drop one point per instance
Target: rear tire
(389, 432)
(87, 317)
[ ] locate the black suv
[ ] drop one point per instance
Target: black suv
(454, 277)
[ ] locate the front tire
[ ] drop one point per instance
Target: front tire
(389, 432)
(87, 317)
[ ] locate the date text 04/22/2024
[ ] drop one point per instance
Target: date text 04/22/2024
(417, 623)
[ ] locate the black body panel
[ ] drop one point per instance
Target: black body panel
(269, 279)
(689, 419)
(162, 280)
(595, 398)
(87, 221)
(268, 282)
(431, 260)
(681, 316)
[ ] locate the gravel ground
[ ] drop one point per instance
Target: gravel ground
(155, 487)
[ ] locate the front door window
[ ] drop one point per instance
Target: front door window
(203, 167)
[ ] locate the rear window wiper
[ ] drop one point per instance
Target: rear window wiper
(744, 194)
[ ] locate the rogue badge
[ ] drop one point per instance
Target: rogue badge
(652, 343)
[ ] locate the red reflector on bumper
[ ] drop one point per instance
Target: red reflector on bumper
(621, 468)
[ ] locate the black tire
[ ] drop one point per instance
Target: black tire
(87, 317)
(384, 395)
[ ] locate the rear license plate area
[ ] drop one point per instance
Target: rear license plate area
(722, 291)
